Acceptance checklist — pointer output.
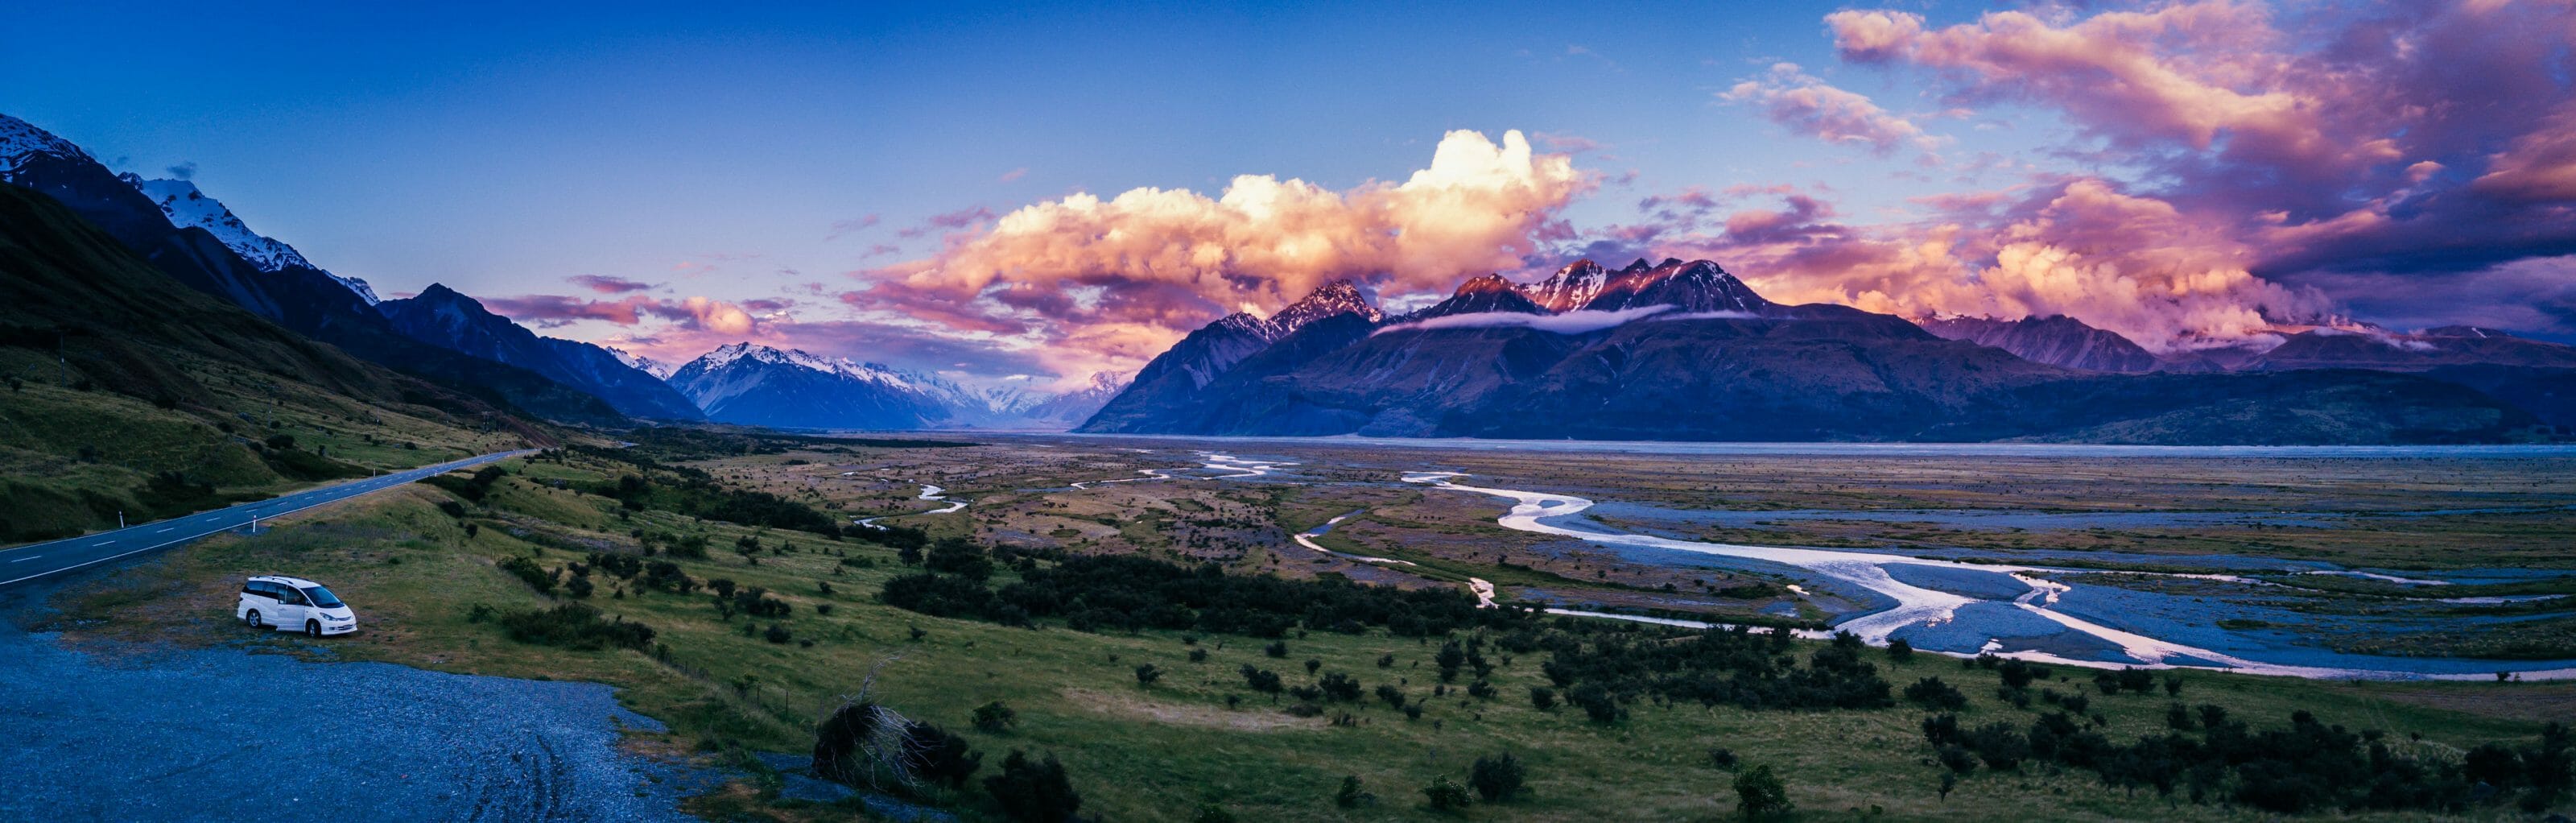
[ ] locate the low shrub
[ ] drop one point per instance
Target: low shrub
(575, 626)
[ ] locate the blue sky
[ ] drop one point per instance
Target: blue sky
(483, 148)
(733, 152)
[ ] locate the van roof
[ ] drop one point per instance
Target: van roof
(297, 582)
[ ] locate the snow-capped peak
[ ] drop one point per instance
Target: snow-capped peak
(658, 369)
(1334, 298)
(21, 140)
(1570, 287)
(842, 366)
(186, 206)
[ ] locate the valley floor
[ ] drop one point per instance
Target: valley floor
(429, 582)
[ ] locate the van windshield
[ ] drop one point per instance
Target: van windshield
(322, 597)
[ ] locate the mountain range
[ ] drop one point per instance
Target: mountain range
(442, 317)
(787, 388)
(193, 238)
(1670, 350)
(1685, 350)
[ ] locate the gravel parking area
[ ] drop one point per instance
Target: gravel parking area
(227, 735)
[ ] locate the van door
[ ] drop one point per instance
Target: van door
(292, 609)
(261, 596)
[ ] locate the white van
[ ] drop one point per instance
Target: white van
(293, 604)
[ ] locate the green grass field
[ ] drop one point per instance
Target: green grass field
(73, 458)
(1160, 752)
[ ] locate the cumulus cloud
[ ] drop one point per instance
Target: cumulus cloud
(1132, 273)
(1804, 104)
(1573, 322)
(717, 316)
(1873, 36)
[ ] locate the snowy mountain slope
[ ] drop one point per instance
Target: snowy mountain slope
(179, 200)
(186, 206)
(658, 369)
(763, 386)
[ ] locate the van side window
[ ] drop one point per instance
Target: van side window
(288, 596)
(261, 589)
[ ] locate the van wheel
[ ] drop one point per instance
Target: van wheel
(313, 628)
(252, 619)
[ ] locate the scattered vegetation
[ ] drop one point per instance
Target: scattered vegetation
(575, 626)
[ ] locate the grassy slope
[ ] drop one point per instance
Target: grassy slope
(178, 381)
(1155, 753)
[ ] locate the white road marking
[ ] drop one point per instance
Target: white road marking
(216, 516)
(163, 529)
(27, 558)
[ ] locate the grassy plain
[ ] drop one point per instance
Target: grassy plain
(1159, 752)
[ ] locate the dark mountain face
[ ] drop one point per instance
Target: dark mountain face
(2451, 346)
(1723, 363)
(68, 287)
(302, 299)
(1246, 396)
(1174, 378)
(2056, 340)
(1178, 377)
(442, 317)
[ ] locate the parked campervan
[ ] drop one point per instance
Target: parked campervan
(293, 604)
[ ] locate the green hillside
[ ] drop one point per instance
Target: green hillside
(123, 390)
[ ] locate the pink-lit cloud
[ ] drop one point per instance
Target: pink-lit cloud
(851, 226)
(1806, 105)
(948, 221)
(610, 285)
(2425, 142)
(1115, 280)
(693, 313)
(2208, 169)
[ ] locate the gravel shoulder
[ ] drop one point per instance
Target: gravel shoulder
(154, 733)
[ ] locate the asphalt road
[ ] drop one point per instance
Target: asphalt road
(29, 562)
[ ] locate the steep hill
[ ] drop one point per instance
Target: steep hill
(128, 391)
(281, 288)
(442, 317)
